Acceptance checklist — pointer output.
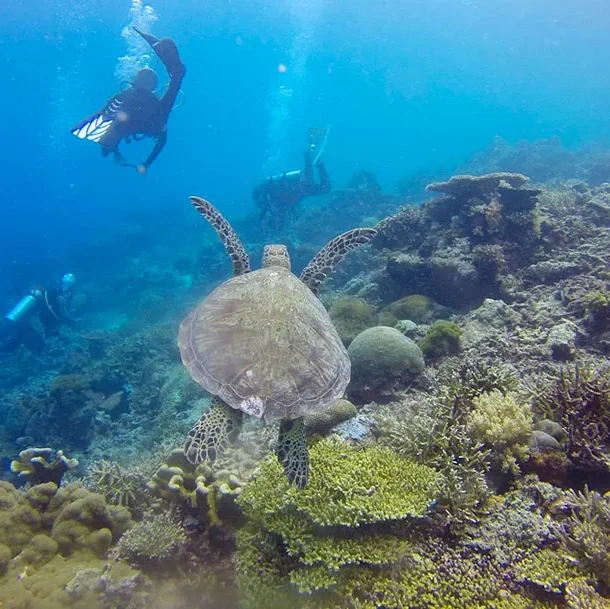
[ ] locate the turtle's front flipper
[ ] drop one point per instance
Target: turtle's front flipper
(292, 451)
(333, 252)
(229, 238)
(214, 431)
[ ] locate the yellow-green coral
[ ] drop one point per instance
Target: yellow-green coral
(549, 569)
(442, 338)
(348, 514)
(504, 423)
(415, 307)
(347, 486)
(199, 486)
(41, 465)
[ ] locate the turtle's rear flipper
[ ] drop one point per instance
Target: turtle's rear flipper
(333, 252)
(214, 431)
(292, 451)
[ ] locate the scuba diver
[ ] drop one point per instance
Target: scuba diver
(137, 112)
(280, 195)
(50, 304)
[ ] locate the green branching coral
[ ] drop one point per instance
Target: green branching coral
(347, 486)
(504, 424)
(587, 533)
(549, 570)
(156, 538)
(354, 511)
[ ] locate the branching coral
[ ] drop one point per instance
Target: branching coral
(579, 399)
(119, 485)
(353, 511)
(158, 537)
(503, 422)
(587, 533)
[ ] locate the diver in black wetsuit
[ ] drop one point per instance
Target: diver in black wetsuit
(50, 304)
(280, 195)
(137, 112)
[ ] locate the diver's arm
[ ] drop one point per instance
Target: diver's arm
(161, 139)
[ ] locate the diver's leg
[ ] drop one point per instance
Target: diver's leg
(307, 175)
(167, 51)
(325, 184)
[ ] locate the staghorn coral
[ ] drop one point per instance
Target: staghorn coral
(579, 399)
(118, 485)
(40, 465)
(586, 535)
(156, 538)
(503, 422)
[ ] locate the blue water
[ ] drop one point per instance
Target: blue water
(408, 85)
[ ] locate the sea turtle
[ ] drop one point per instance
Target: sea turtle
(263, 344)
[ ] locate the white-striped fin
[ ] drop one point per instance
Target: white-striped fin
(93, 130)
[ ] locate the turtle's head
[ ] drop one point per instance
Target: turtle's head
(276, 255)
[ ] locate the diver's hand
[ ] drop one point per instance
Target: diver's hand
(142, 169)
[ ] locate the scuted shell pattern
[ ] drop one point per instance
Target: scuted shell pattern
(264, 344)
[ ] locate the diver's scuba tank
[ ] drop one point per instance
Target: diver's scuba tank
(24, 307)
(291, 176)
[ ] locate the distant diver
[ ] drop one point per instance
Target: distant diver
(280, 195)
(137, 112)
(51, 304)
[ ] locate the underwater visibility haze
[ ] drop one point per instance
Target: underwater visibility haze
(305, 304)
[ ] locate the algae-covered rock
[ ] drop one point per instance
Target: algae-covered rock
(336, 413)
(350, 316)
(442, 338)
(382, 357)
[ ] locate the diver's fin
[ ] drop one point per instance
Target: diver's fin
(93, 128)
(152, 40)
(96, 126)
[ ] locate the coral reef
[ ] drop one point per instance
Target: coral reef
(579, 398)
(503, 422)
(441, 338)
(200, 487)
(382, 358)
(338, 412)
(156, 538)
(351, 315)
(354, 512)
(40, 465)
